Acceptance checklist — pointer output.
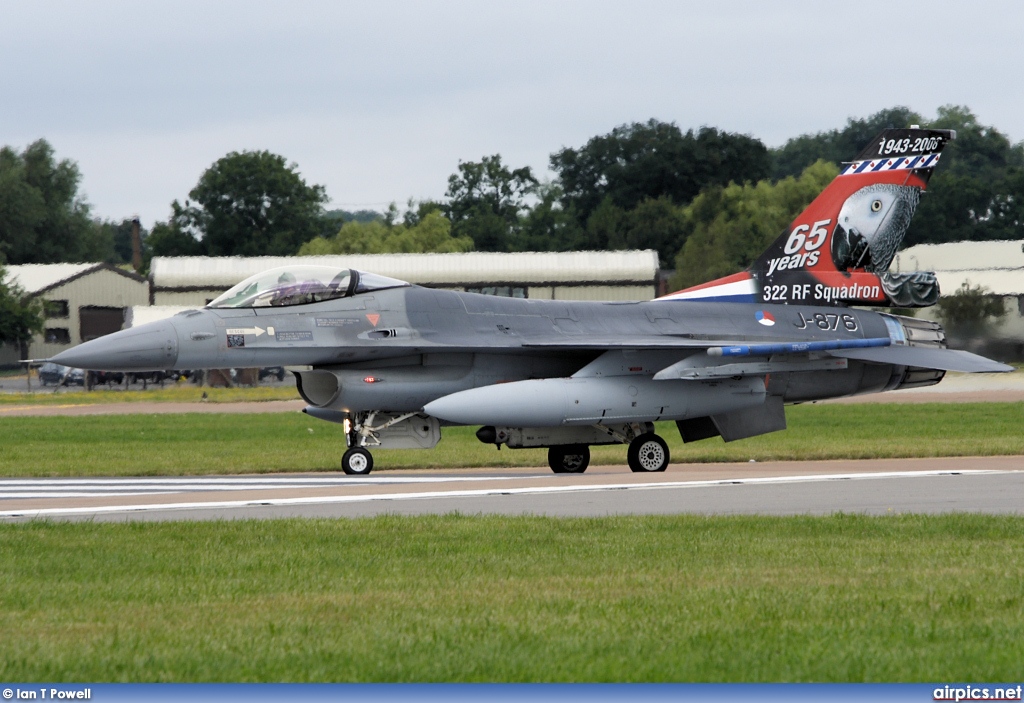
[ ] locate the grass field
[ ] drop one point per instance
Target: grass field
(843, 598)
(233, 443)
(172, 393)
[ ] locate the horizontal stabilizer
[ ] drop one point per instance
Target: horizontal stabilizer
(926, 357)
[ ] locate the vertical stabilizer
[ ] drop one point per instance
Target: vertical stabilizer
(838, 250)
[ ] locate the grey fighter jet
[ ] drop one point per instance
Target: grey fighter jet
(395, 362)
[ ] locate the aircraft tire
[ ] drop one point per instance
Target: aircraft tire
(569, 458)
(647, 453)
(357, 462)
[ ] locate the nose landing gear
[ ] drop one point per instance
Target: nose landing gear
(363, 433)
(357, 461)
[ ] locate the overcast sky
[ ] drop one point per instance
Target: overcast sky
(379, 101)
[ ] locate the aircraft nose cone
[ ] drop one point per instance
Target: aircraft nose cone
(149, 347)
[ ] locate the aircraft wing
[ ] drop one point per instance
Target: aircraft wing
(926, 357)
(873, 350)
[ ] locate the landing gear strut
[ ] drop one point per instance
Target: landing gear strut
(569, 458)
(647, 453)
(362, 433)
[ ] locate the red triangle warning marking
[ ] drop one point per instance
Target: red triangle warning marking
(374, 318)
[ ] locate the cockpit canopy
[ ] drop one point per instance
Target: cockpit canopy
(298, 285)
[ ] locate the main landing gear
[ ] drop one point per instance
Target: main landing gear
(647, 453)
(569, 458)
(569, 447)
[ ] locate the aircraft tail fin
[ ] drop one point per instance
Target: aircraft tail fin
(838, 250)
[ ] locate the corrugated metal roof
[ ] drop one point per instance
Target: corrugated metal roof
(998, 266)
(36, 277)
(523, 267)
(961, 256)
(142, 314)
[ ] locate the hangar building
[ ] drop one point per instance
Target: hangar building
(80, 301)
(998, 267)
(584, 275)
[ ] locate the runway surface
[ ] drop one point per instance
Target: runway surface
(971, 484)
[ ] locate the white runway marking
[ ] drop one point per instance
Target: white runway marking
(426, 495)
(91, 488)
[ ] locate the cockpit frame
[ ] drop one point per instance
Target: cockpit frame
(288, 286)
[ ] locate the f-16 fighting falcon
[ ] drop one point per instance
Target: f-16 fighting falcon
(394, 362)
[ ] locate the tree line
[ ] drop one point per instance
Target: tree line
(707, 200)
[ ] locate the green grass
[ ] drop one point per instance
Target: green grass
(233, 443)
(172, 393)
(452, 598)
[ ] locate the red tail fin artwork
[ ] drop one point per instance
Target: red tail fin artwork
(838, 250)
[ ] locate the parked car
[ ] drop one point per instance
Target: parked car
(51, 373)
(73, 377)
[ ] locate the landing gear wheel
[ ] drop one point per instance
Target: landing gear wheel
(569, 458)
(647, 453)
(357, 462)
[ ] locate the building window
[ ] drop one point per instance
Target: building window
(57, 335)
(95, 321)
(55, 308)
(500, 291)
